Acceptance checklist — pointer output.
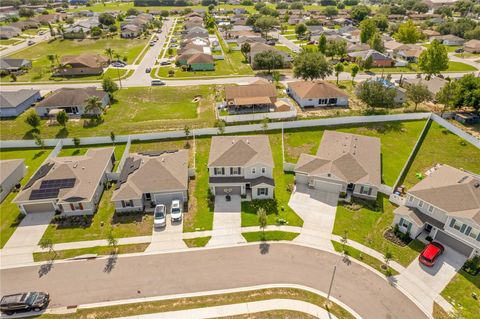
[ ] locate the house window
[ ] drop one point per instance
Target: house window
(365, 190)
(332, 101)
(79, 206)
(322, 101)
(410, 199)
(405, 223)
(72, 207)
(430, 209)
(127, 203)
(262, 191)
(235, 170)
(253, 170)
(420, 204)
(264, 170)
(474, 233)
(455, 224)
(219, 171)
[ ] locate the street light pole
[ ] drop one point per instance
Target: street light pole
(331, 282)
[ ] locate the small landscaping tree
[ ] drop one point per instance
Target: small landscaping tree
(344, 240)
(262, 220)
(221, 127)
(245, 49)
(264, 124)
(76, 141)
(375, 94)
(186, 130)
(310, 65)
(112, 241)
(434, 59)
(354, 71)
(13, 76)
(33, 119)
(109, 86)
(48, 244)
(322, 43)
(446, 96)
(38, 140)
(418, 93)
(300, 30)
(338, 69)
(268, 60)
(112, 137)
(387, 257)
(62, 118)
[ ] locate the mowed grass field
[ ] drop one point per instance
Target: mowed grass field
(10, 215)
(134, 110)
(42, 67)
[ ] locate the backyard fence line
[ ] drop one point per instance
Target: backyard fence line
(240, 129)
(455, 130)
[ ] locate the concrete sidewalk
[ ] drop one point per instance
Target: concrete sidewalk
(240, 309)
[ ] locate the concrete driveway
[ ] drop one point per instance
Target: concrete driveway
(167, 238)
(317, 209)
(426, 283)
(227, 222)
(24, 240)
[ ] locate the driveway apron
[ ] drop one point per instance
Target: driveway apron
(227, 222)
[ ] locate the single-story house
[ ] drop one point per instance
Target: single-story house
(434, 84)
(257, 47)
(241, 166)
(149, 179)
(71, 185)
(449, 39)
(14, 103)
(71, 100)
(130, 31)
(256, 97)
(317, 94)
(11, 173)
(445, 206)
(7, 32)
(83, 64)
(14, 65)
(379, 60)
(472, 46)
(201, 62)
(344, 164)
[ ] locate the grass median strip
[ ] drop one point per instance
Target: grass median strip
(273, 235)
(197, 242)
(205, 301)
(97, 250)
(367, 259)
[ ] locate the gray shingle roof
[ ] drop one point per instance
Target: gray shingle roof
(13, 99)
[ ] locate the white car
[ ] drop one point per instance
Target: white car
(176, 211)
(159, 216)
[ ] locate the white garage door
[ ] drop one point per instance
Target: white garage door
(39, 208)
(167, 199)
(228, 190)
(328, 187)
(454, 243)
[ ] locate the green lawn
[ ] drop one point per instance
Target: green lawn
(9, 41)
(135, 110)
(453, 66)
(459, 293)
(41, 66)
(197, 242)
(442, 146)
(391, 134)
(367, 226)
(101, 224)
(10, 215)
(274, 235)
(97, 250)
(367, 259)
(450, 48)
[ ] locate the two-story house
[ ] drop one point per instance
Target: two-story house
(344, 163)
(446, 206)
(241, 165)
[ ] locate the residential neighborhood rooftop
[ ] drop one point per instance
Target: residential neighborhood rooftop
(240, 151)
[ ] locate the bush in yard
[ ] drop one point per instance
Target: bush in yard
(472, 265)
(33, 119)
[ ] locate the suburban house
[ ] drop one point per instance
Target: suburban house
(257, 47)
(317, 94)
(7, 32)
(379, 60)
(149, 179)
(241, 165)
(344, 164)
(434, 84)
(201, 62)
(445, 206)
(83, 64)
(69, 185)
(256, 97)
(472, 46)
(130, 31)
(449, 39)
(71, 100)
(11, 173)
(14, 65)
(14, 103)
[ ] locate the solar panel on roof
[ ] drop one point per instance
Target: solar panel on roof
(58, 183)
(42, 171)
(44, 193)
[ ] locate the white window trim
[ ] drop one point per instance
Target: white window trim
(420, 203)
(264, 170)
(253, 170)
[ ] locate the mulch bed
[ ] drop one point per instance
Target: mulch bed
(390, 236)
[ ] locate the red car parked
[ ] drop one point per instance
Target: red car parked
(430, 254)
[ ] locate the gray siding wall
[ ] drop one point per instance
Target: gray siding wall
(12, 180)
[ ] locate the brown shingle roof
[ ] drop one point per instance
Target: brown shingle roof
(240, 151)
(85, 60)
(70, 97)
(250, 90)
(452, 190)
(200, 58)
(316, 89)
(157, 173)
(350, 157)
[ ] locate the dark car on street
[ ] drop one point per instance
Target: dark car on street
(26, 301)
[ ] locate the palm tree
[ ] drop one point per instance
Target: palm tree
(94, 105)
(110, 52)
(52, 58)
(118, 57)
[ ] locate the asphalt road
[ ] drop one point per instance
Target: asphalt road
(83, 282)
